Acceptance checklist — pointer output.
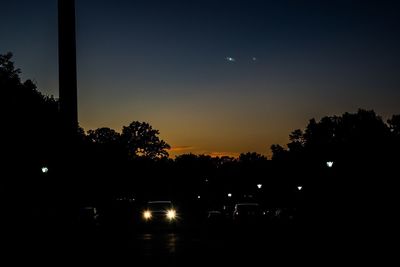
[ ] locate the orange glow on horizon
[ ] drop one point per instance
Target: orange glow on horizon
(181, 150)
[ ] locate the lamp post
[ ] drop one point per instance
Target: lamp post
(45, 169)
(329, 164)
(300, 188)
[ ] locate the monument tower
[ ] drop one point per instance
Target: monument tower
(67, 65)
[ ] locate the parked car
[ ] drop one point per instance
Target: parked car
(88, 216)
(284, 215)
(247, 212)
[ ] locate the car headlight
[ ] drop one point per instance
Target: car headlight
(171, 214)
(147, 215)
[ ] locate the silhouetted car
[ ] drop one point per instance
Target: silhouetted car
(284, 214)
(215, 219)
(214, 215)
(247, 212)
(88, 216)
(159, 212)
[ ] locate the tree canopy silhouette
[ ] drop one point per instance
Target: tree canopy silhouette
(138, 140)
(251, 157)
(359, 136)
(394, 124)
(103, 136)
(30, 134)
(31, 117)
(141, 140)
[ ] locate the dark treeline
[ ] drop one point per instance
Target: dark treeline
(103, 164)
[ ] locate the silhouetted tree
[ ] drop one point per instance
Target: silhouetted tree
(297, 136)
(196, 164)
(226, 160)
(106, 144)
(31, 117)
(141, 140)
(350, 135)
(186, 159)
(251, 157)
(278, 152)
(103, 136)
(394, 124)
(364, 151)
(8, 73)
(30, 135)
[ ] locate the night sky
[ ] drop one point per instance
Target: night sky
(215, 77)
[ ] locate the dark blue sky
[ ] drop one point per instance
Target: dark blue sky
(164, 62)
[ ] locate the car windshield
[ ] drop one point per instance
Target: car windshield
(159, 205)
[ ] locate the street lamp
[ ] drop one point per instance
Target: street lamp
(45, 169)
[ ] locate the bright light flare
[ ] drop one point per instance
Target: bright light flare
(147, 215)
(300, 188)
(171, 214)
(259, 186)
(329, 164)
(229, 194)
(45, 170)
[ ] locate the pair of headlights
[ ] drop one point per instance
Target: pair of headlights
(171, 215)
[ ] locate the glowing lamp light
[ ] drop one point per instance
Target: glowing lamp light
(329, 164)
(198, 197)
(259, 186)
(300, 188)
(45, 170)
(229, 194)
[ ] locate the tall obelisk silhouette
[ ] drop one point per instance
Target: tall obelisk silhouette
(67, 66)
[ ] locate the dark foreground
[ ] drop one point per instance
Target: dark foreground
(160, 247)
(186, 246)
(320, 237)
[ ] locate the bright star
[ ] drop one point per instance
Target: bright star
(230, 59)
